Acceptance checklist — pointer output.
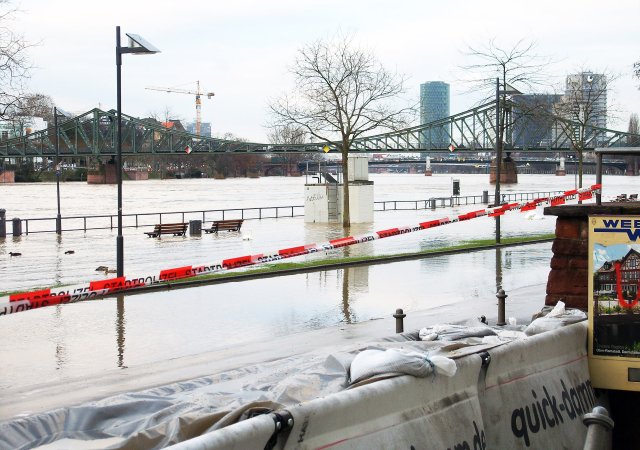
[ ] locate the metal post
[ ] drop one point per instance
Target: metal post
(399, 316)
(3, 224)
(501, 307)
(598, 424)
(119, 239)
(58, 171)
(498, 158)
(17, 226)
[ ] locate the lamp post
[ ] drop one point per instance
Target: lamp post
(508, 90)
(137, 46)
(56, 110)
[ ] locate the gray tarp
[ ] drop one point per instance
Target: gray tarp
(156, 418)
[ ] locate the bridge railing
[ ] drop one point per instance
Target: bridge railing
(447, 202)
(137, 220)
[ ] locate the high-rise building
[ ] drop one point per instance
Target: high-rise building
(205, 128)
(532, 120)
(588, 91)
(435, 102)
(584, 102)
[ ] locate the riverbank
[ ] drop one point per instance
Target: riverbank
(290, 268)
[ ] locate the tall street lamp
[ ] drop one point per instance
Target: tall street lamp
(508, 90)
(137, 46)
(57, 111)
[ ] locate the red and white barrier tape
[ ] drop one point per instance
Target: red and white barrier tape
(36, 299)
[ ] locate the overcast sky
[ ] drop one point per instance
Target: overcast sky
(240, 49)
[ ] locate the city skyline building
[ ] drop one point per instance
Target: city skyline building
(584, 102)
(435, 104)
(205, 128)
(532, 120)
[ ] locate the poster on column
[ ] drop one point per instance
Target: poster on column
(614, 302)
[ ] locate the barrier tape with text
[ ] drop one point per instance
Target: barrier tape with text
(67, 294)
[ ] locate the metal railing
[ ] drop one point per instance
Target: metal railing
(447, 202)
(109, 221)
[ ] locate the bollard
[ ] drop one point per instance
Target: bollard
(501, 307)
(17, 227)
(399, 315)
(3, 224)
(598, 424)
(485, 196)
(195, 227)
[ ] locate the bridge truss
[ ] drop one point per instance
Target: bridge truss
(94, 134)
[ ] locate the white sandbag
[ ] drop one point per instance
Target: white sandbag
(558, 310)
(376, 361)
(549, 322)
(453, 332)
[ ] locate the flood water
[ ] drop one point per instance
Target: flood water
(89, 337)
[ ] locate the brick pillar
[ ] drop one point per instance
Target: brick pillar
(569, 278)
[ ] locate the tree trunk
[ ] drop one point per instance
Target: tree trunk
(346, 215)
(580, 153)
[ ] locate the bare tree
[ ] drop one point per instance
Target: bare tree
(14, 61)
(634, 128)
(584, 104)
(496, 68)
(341, 91)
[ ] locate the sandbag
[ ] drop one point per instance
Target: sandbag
(556, 318)
(449, 332)
(377, 361)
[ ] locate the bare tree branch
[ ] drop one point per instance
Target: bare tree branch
(341, 91)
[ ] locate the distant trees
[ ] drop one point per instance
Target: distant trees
(295, 135)
(340, 92)
(14, 62)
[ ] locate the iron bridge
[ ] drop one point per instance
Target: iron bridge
(94, 134)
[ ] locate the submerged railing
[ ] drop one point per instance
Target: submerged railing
(109, 221)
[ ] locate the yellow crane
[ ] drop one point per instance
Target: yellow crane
(197, 93)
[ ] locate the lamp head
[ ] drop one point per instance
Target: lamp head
(138, 46)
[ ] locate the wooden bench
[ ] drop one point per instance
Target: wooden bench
(177, 229)
(224, 225)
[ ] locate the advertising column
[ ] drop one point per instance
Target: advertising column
(614, 308)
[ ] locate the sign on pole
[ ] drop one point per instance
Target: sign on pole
(614, 308)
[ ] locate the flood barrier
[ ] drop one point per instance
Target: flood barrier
(36, 299)
(527, 394)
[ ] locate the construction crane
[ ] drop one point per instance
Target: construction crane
(197, 93)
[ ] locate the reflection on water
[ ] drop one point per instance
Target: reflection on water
(89, 337)
(498, 269)
(120, 324)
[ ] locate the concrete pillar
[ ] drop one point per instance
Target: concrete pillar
(561, 171)
(427, 171)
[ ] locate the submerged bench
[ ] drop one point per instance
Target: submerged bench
(177, 229)
(224, 225)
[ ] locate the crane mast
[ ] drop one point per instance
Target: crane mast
(197, 93)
